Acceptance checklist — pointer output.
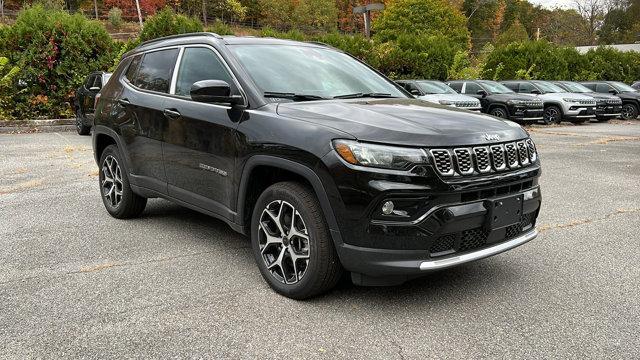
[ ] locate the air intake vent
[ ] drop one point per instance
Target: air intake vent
(523, 154)
(443, 162)
(463, 159)
(497, 154)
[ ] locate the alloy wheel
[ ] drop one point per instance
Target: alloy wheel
(551, 115)
(78, 120)
(111, 181)
(499, 113)
(628, 111)
(284, 242)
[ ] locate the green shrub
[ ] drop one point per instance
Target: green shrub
(8, 74)
(166, 22)
(115, 17)
(606, 63)
(539, 59)
(220, 28)
(423, 18)
(54, 51)
(414, 56)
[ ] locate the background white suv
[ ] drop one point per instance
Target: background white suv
(558, 103)
(439, 93)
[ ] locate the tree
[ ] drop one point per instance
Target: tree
(593, 12)
(167, 22)
(422, 18)
(277, 13)
(515, 33)
(316, 14)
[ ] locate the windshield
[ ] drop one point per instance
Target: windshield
(495, 87)
(575, 87)
(549, 87)
(306, 70)
(622, 87)
(435, 87)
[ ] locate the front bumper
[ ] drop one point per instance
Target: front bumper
(608, 111)
(526, 114)
(444, 236)
(580, 112)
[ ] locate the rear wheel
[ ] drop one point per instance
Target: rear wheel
(118, 198)
(291, 242)
(80, 127)
(629, 111)
(498, 112)
(552, 115)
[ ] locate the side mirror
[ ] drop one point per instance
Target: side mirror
(535, 91)
(613, 92)
(482, 93)
(213, 91)
(94, 89)
(415, 92)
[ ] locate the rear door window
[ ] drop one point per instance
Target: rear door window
(603, 88)
(472, 88)
(526, 88)
(156, 70)
(133, 68)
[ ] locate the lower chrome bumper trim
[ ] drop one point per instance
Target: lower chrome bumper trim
(480, 254)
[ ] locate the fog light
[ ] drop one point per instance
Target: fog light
(387, 208)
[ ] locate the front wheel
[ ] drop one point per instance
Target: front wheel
(552, 115)
(118, 198)
(81, 128)
(629, 111)
(291, 242)
(498, 112)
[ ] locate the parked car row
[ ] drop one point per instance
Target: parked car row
(533, 100)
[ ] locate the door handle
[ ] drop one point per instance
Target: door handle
(171, 113)
(124, 102)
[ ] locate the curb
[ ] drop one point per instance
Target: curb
(37, 125)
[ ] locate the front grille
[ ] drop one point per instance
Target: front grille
(497, 155)
(533, 104)
(443, 162)
(533, 154)
(443, 243)
(472, 239)
(523, 153)
(587, 102)
(466, 104)
(463, 159)
(614, 101)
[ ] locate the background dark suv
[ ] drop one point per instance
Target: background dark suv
(340, 170)
(85, 99)
(630, 96)
(500, 101)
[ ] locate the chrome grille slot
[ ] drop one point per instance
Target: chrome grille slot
(442, 160)
(523, 154)
(533, 154)
(463, 161)
(512, 155)
(482, 159)
(497, 156)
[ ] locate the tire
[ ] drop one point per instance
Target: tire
(81, 128)
(498, 112)
(118, 198)
(552, 115)
(277, 248)
(629, 111)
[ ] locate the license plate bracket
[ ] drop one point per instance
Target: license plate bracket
(504, 211)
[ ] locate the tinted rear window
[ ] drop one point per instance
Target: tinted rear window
(155, 70)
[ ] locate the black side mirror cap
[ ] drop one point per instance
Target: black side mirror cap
(415, 92)
(214, 91)
(481, 92)
(535, 91)
(613, 92)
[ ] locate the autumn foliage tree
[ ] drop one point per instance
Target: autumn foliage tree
(128, 7)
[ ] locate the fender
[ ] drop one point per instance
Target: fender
(101, 129)
(299, 169)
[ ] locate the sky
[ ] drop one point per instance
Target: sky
(551, 4)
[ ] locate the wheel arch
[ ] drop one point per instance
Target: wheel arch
(498, 105)
(103, 137)
(262, 171)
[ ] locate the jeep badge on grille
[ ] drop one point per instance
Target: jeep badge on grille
(492, 137)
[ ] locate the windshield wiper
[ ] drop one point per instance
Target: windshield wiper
(364, 95)
(292, 96)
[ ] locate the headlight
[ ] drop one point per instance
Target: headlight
(380, 156)
(445, 102)
(577, 101)
(516, 102)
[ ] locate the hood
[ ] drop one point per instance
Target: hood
(602, 96)
(409, 122)
(435, 98)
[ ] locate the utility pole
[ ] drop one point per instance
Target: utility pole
(2, 9)
(95, 7)
(204, 12)
(366, 12)
(139, 13)
(538, 34)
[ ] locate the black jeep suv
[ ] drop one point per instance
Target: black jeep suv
(326, 164)
(84, 101)
(500, 101)
(630, 96)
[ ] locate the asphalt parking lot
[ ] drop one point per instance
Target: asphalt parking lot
(75, 282)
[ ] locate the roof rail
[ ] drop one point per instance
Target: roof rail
(319, 43)
(177, 36)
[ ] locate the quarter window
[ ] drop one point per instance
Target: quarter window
(155, 70)
(198, 64)
(133, 68)
(526, 88)
(603, 88)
